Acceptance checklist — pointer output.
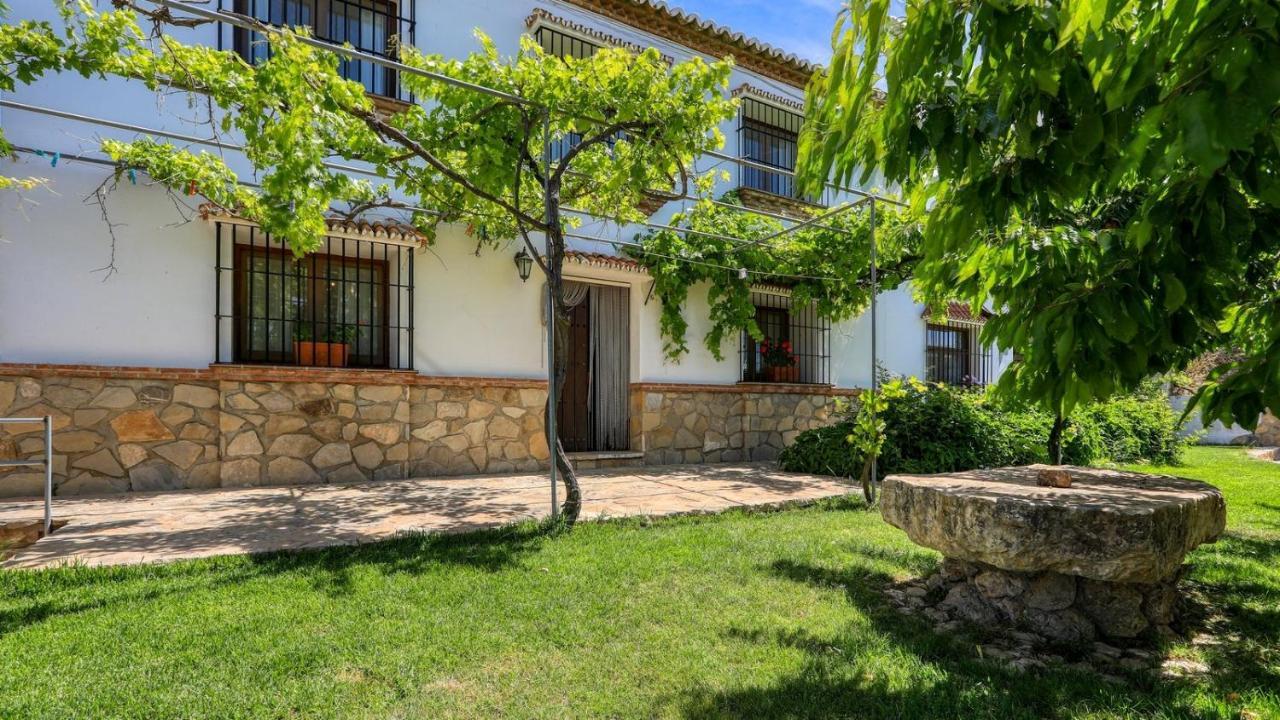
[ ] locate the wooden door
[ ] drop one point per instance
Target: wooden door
(574, 416)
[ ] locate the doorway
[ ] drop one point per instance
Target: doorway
(593, 412)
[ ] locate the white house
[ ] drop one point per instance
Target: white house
(178, 348)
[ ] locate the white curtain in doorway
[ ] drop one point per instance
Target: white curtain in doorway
(610, 366)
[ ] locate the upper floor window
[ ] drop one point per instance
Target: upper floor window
(796, 343)
(370, 26)
(768, 135)
(562, 44)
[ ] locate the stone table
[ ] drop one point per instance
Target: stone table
(1101, 557)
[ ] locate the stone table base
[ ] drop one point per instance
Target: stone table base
(1060, 608)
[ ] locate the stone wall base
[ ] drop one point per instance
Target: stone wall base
(148, 429)
(122, 429)
(1063, 609)
(673, 424)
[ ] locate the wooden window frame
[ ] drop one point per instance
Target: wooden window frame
(240, 300)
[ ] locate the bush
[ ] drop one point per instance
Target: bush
(932, 429)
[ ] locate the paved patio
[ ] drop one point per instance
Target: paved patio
(161, 527)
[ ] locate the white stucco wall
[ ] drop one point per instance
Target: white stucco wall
(57, 307)
(1215, 434)
(472, 314)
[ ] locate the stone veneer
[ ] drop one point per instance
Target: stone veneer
(725, 423)
(147, 429)
(141, 429)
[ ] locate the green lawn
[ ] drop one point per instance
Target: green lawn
(740, 615)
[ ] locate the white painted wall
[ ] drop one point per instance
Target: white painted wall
(472, 314)
(1215, 434)
(57, 307)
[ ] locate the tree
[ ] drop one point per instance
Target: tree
(458, 155)
(1105, 173)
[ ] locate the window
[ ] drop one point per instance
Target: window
(768, 135)
(796, 344)
(563, 45)
(347, 305)
(370, 26)
(954, 356)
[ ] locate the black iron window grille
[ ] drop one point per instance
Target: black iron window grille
(370, 26)
(955, 356)
(796, 347)
(769, 135)
(564, 45)
(349, 304)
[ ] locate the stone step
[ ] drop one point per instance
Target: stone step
(606, 459)
(17, 534)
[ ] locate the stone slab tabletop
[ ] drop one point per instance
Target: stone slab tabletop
(1109, 525)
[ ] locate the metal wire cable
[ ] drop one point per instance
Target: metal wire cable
(238, 148)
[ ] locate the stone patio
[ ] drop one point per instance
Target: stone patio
(162, 527)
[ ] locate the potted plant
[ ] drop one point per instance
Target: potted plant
(322, 345)
(779, 361)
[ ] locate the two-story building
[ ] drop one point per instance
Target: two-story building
(176, 347)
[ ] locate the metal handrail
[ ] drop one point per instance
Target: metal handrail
(47, 462)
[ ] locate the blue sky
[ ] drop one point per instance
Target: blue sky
(802, 27)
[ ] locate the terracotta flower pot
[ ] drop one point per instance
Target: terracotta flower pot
(320, 354)
(789, 374)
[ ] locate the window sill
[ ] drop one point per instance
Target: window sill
(765, 200)
(388, 105)
(798, 388)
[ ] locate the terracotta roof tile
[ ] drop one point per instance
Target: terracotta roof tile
(540, 16)
(603, 260)
(374, 230)
(753, 91)
(961, 313)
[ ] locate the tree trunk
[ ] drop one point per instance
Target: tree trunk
(558, 332)
(1055, 439)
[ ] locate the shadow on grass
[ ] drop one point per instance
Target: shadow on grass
(30, 597)
(888, 665)
(27, 598)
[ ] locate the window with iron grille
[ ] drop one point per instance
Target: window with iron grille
(563, 45)
(768, 135)
(796, 345)
(370, 26)
(954, 355)
(350, 304)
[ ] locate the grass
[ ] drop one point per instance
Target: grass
(740, 615)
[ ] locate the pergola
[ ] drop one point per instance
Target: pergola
(185, 13)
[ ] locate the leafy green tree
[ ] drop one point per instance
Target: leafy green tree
(456, 156)
(1104, 172)
(30, 49)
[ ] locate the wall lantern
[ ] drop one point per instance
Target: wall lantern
(524, 265)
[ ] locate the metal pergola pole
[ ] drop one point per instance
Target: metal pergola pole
(48, 474)
(46, 461)
(553, 442)
(875, 380)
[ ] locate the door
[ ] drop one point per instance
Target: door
(593, 412)
(574, 417)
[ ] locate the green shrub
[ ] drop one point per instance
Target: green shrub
(932, 429)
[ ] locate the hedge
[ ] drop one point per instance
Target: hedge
(934, 429)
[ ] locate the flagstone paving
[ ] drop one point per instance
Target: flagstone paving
(161, 527)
